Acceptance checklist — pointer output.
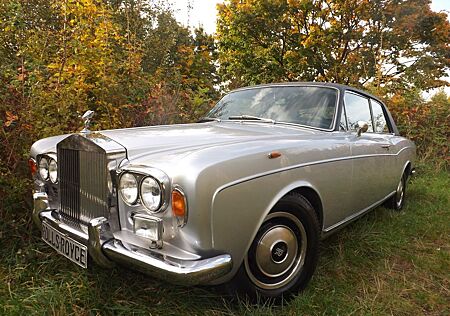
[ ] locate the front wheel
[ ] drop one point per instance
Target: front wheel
(284, 253)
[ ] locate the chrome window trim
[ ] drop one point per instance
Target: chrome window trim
(333, 123)
(371, 114)
(344, 112)
(370, 108)
(388, 122)
(370, 99)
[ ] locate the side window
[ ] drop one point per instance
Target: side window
(357, 109)
(378, 117)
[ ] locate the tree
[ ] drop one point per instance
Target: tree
(129, 60)
(385, 43)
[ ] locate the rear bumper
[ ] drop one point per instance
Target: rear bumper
(105, 250)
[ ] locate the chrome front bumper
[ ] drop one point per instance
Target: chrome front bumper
(105, 250)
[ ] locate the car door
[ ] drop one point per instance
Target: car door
(369, 152)
(383, 129)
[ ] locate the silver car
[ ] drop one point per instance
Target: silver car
(242, 197)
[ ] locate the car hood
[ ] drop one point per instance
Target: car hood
(187, 138)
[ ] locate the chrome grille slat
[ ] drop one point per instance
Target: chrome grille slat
(83, 184)
(93, 186)
(68, 161)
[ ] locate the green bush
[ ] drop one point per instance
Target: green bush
(427, 123)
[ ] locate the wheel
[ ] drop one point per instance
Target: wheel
(397, 201)
(283, 256)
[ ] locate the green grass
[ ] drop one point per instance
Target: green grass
(385, 263)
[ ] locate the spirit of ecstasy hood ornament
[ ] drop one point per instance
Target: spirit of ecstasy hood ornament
(87, 116)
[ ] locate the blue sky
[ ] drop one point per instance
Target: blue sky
(438, 5)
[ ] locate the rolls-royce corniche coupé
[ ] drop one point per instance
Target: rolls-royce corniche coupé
(242, 197)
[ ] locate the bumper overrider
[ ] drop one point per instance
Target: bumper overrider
(105, 250)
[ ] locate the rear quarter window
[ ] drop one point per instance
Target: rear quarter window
(357, 109)
(379, 117)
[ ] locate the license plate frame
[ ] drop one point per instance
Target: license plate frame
(65, 245)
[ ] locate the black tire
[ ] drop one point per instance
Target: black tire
(284, 253)
(397, 201)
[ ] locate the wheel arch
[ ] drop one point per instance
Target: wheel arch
(304, 188)
(407, 169)
(314, 198)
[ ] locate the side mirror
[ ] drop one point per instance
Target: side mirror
(361, 127)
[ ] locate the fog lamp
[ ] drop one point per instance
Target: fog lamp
(149, 227)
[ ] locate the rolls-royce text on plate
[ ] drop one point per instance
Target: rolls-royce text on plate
(243, 197)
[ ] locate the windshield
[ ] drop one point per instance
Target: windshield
(311, 106)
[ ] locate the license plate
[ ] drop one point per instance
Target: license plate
(65, 245)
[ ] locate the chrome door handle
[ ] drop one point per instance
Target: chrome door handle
(385, 146)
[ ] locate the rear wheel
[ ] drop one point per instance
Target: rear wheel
(283, 256)
(397, 201)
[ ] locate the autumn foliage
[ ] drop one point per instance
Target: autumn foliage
(427, 123)
(386, 43)
(130, 61)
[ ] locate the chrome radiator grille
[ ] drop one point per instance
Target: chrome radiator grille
(82, 185)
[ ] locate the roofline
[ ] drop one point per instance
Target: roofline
(339, 86)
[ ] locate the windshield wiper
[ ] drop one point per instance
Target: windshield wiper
(251, 117)
(209, 119)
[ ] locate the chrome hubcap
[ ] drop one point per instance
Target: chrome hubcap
(278, 252)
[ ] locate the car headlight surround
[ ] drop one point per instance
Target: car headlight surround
(151, 194)
(43, 168)
(128, 188)
(141, 174)
(53, 171)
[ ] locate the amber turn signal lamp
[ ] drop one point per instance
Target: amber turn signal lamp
(33, 166)
(178, 203)
(179, 207)
(274, 154)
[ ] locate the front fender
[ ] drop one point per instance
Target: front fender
(239, 210)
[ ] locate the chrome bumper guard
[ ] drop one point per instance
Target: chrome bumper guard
(105, 250)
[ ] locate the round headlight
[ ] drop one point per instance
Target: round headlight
(53, 171)
(43, 168)
(151, 194)
(128, 188)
